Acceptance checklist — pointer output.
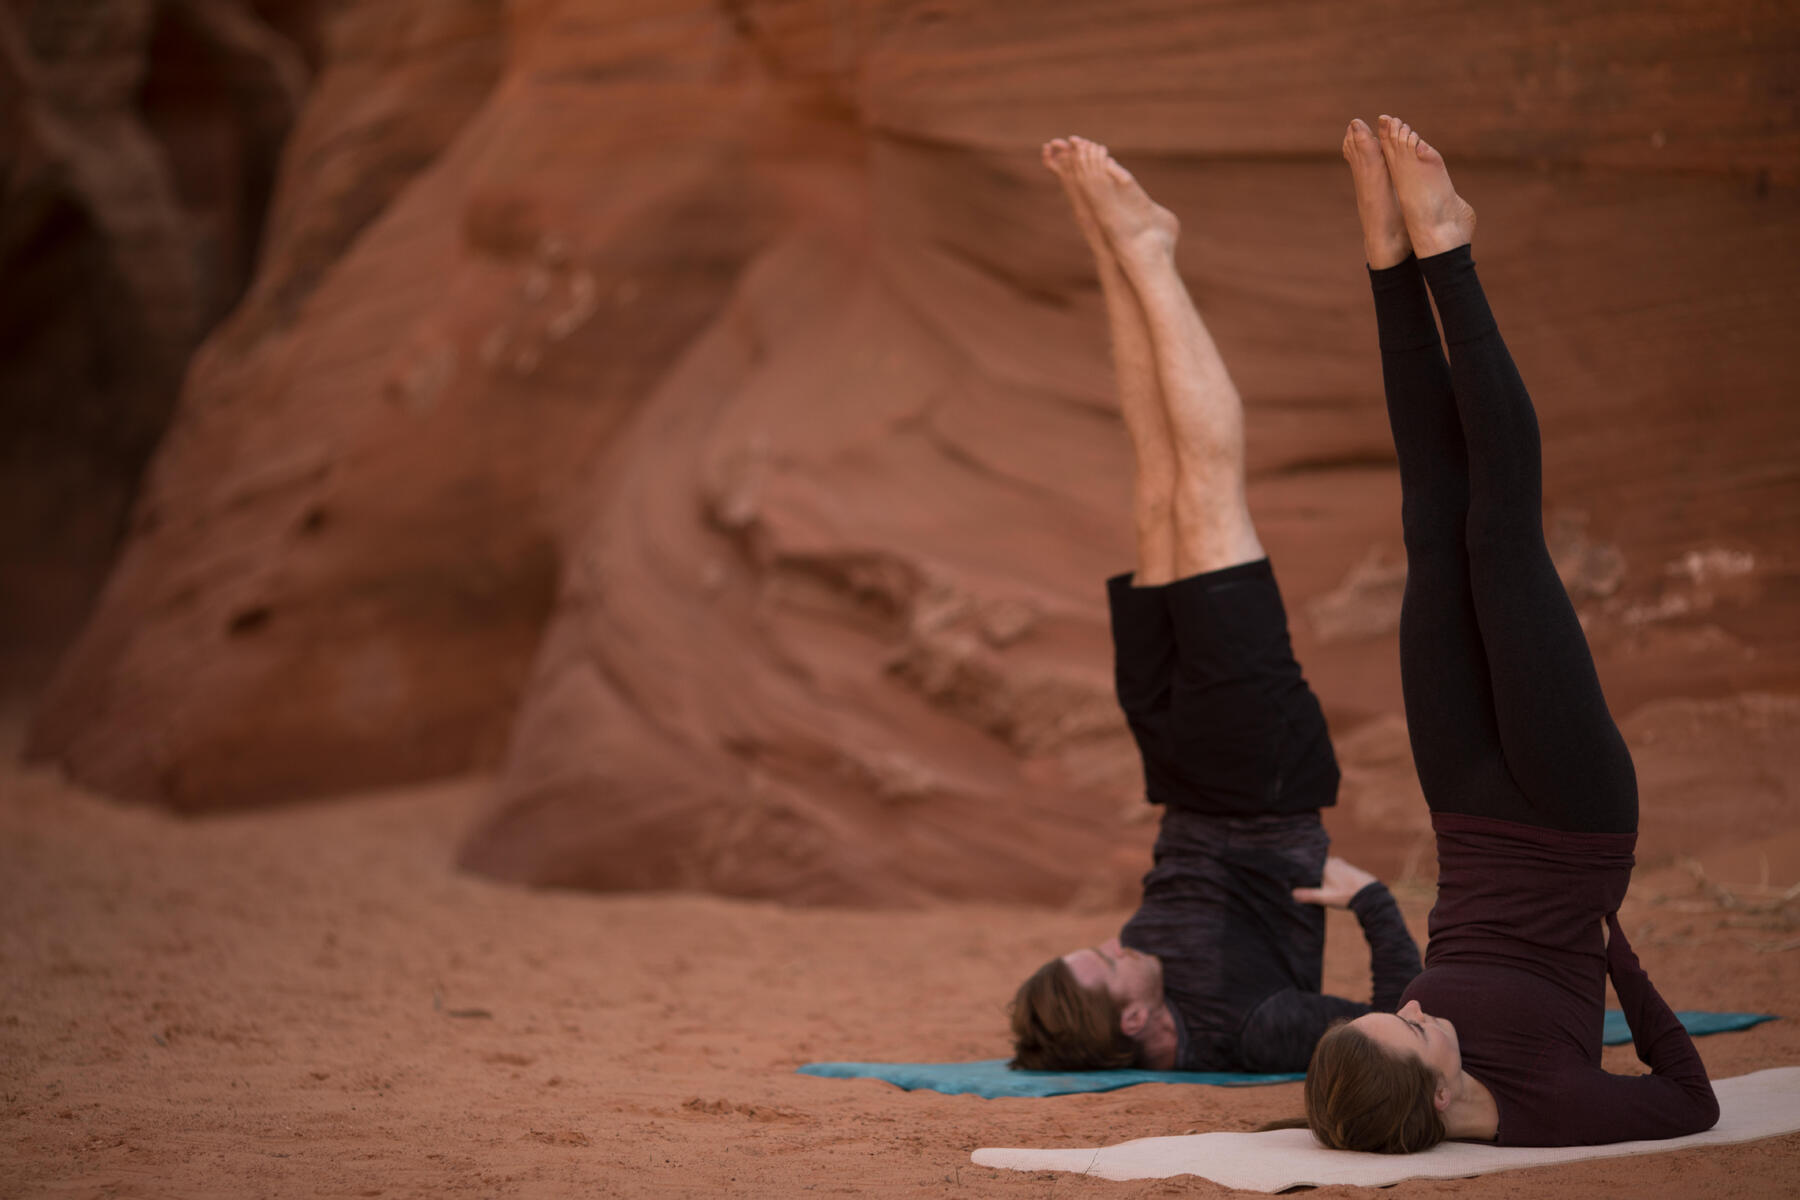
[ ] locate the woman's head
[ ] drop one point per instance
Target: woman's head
(1361, 1095)
(1414, 1033)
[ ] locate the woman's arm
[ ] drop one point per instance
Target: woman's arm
(1586, 1106)
(1661, 1042)
(1540, 1055)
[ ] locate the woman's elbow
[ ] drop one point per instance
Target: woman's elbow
(1703, 1110)
(1709, 1110)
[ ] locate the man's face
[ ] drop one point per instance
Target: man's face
(1127, 975)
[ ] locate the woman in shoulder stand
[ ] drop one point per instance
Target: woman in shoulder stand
(1532, 793)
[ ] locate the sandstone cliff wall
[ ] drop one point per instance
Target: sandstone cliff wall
(699, 414)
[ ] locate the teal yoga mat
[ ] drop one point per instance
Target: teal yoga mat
(992, 1078)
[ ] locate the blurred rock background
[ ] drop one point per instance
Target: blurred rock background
(697, 415)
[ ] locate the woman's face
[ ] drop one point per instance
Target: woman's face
(1412, 1033)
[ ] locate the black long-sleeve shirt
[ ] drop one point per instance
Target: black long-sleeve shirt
(1518, 964)
(1242, 961)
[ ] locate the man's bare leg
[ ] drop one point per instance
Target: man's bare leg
(1206, 417)
(1140, 397)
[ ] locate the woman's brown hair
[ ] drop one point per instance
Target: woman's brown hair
(1059, 1026)
(1360, 1097)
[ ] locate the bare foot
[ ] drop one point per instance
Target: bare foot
(1385, 243)
(1437, 219)
(1135, 225)
(1059, 156)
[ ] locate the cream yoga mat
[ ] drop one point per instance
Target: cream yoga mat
(1758, 1105)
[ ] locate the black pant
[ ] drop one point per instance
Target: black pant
(1502, 702)
(1225, 721)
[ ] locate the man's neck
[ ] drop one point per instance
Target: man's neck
(1156, 1048)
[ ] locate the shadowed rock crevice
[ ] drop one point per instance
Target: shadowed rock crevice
(140, 139)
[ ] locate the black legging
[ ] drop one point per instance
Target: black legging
(1502, 702)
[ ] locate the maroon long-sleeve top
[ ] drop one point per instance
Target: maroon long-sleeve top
(1518, 962)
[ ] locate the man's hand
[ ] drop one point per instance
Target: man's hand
(1339, 886)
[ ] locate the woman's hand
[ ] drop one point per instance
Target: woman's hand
(1338, 887)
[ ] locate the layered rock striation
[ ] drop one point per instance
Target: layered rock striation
(699, 414)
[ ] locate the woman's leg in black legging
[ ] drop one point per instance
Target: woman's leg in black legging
(1561, 745)
(1443, 664)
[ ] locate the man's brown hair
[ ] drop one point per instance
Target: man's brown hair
(1059, 1026)
(1360, 1097)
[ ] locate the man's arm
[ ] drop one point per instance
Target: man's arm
(1280, 1033)
(1393, 955)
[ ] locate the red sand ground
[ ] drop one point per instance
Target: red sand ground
(311, 1002)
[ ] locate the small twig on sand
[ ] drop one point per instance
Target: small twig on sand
(1775, 947)
(1771, 899)
(437, 1005)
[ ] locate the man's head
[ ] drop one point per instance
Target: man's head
(1088, 1010)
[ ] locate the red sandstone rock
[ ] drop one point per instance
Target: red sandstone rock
(202, 679)
(716, 437)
